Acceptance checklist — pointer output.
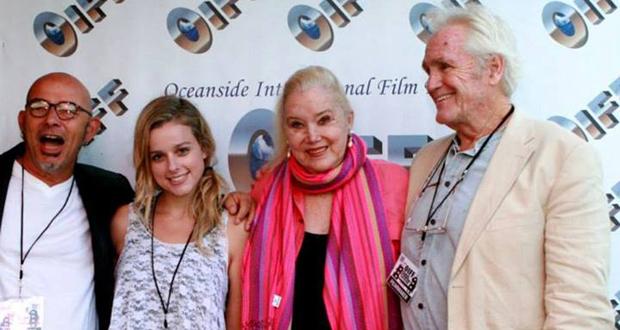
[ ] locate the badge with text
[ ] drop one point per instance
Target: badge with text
(403, 278)
(21, 314)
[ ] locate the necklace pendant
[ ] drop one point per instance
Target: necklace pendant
(165, 323)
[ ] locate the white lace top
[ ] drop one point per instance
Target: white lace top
(199, 290)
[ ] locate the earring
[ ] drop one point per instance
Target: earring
(350, 139)
(288, 149)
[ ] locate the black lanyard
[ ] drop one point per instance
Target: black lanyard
(174, 274)
(22, 256)
(431, 210)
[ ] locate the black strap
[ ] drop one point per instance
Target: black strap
(174, 274)
(22, 256)
(431, 210)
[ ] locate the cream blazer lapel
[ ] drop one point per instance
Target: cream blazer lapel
(512, 154)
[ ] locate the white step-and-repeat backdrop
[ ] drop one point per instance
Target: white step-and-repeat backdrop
(231, 58)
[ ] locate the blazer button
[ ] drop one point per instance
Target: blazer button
(421, 306)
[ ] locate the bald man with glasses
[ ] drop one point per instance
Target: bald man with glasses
(56, 254)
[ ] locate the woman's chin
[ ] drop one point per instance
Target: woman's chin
(321, 167)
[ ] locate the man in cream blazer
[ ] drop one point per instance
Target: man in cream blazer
(508, 226)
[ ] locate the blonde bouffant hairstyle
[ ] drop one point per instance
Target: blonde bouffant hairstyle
(301, 81)
(205, 205)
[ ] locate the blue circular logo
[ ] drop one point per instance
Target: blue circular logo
(251, 146)
(309, 27)
(188, 29)
(261, 150)
(564, 24)
(424, 22)
(54, 33)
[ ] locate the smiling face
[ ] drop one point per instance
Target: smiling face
(316, 129)
(52, 144)
(176, 159)
(456, 81)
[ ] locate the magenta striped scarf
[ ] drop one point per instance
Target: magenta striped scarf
(359, 253)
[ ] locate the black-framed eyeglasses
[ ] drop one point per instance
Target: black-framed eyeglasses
(65, 110)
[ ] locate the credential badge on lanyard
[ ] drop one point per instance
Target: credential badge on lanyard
(403, 278)
(22, 314)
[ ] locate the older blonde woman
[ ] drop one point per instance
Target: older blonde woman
(327, 229)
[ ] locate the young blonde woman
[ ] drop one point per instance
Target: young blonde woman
(176, 249)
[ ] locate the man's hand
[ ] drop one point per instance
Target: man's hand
(241, 208)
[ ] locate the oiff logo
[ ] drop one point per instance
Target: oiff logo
(567, 26)
(312, 29)
(56, 34)
(192, 32)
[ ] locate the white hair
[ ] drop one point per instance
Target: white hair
(489, 35)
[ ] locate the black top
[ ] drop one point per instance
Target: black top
(308, 306)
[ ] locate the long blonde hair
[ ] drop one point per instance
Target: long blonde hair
(205, 205)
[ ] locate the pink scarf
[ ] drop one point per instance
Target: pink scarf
(359, 253)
